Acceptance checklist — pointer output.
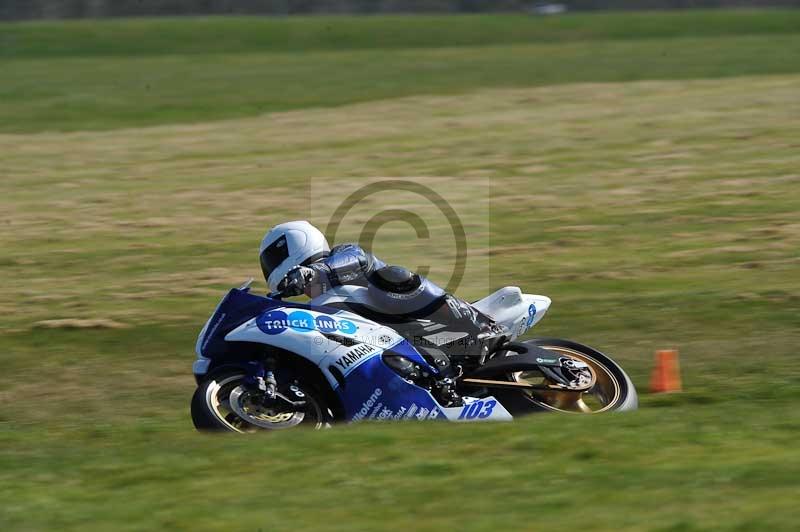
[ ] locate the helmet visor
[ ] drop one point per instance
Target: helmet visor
(273, 255)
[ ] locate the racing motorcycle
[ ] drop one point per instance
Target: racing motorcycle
(268, 363)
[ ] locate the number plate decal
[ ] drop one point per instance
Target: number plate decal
(487, 409)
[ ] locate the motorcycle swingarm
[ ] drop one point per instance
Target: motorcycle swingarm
(516, 357)
(488, 383)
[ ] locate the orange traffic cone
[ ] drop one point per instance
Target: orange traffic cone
(666, 373)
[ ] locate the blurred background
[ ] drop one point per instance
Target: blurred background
(23, 9)
(642, 164)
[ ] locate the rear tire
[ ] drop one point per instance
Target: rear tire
(617, 392)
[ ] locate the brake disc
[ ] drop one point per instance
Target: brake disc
(249, 407)
(577, 373)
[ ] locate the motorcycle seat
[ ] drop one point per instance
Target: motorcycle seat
(498, 303)
(511, 308)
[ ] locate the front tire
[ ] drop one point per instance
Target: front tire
(223, 403)
(612, 391)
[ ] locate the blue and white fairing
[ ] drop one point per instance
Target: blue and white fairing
(348, 350)
(379, 393)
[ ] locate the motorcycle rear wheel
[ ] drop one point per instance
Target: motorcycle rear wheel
(612, 390)
(223, 403)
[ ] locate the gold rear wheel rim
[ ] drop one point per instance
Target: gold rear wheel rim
(601, 397)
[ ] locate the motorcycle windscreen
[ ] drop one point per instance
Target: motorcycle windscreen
(237, 307)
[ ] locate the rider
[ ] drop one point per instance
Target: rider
(296, 258)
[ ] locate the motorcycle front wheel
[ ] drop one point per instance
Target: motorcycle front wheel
(611, 390)
(224, 403)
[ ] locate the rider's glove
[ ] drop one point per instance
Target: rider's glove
(296, 280)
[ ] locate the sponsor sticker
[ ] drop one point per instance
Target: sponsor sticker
(374, 409)
(531, 314)
(352, 357)
(278, 321)
(367, 405)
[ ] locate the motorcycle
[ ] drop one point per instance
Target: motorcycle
(267, 363)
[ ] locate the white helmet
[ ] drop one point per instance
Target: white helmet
(288, 245)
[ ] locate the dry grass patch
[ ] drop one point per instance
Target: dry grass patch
(101, 218)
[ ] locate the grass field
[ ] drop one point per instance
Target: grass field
(132, 73)
(644, 173)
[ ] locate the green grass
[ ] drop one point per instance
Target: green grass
(656, 214)
(82, 75)
(650, 471)
(215, 35)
